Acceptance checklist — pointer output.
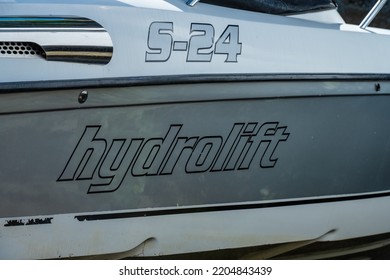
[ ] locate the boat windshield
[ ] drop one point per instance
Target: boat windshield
(279, 7)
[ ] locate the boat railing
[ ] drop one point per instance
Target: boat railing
(192, 2)
(372, 14)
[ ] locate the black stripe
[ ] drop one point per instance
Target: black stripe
(24, 86)
(235, 207)
(47, 22)
(80, 48)
(178, 102)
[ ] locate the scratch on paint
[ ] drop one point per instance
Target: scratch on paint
(28, 222)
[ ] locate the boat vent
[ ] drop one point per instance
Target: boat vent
(20, 49)
(66, 39)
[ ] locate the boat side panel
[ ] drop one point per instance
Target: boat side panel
(191, 154)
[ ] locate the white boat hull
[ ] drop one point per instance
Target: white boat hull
(173, 234)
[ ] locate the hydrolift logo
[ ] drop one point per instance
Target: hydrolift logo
(108, 164)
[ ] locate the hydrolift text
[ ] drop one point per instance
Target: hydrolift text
(108, 163)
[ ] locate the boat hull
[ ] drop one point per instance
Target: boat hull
(164, 235)
(229, 165)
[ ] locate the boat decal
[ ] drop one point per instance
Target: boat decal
(28, 222)
(201, 46)
(107, 163)
(228, 207)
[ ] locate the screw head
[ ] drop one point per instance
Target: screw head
(83, 96)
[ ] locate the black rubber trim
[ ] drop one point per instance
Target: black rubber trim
(182, 79)
(234, 207)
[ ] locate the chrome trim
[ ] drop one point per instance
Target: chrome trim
(67, 39)
(192, 2)
(372, 14)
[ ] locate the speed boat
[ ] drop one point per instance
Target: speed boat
(192, 129)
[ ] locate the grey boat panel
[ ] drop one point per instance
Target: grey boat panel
(193, 154)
